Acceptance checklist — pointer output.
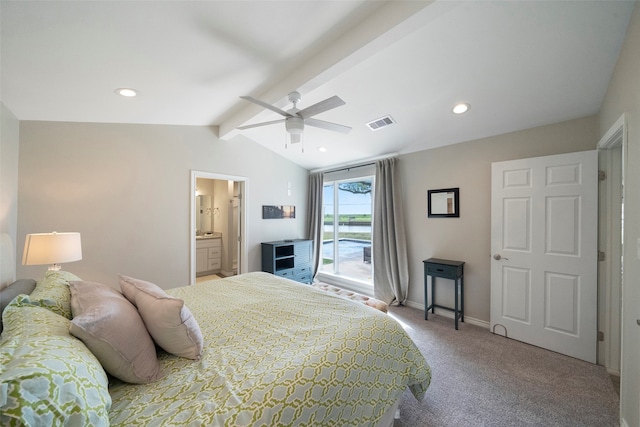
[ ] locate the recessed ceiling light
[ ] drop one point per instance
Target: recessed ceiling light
(461, 108)
(322, 149)
(125, 91)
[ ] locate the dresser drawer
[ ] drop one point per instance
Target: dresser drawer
(303, 278)
(302, 270)
(298, 274)
(288, 273)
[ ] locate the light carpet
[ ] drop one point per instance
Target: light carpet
(481, 379)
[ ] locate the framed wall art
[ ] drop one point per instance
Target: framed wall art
(278, 212)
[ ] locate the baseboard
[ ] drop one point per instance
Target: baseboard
(366, 289)
(449, 314)
(615, 372)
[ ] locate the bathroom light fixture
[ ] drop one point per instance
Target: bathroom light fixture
(322, 149)
(51, 248)
(125, 91)
(461, 108)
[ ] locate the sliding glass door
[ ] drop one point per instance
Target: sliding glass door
(348, 207)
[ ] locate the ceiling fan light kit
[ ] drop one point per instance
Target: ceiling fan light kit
(294, 125)
(295, 119)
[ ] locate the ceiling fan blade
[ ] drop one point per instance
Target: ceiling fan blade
(321, 107)
(265, 105)
(260, 124)
(327, 125)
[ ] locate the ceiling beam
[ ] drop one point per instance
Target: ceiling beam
(390, 22)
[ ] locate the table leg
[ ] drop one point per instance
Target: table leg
(433, 294)
(426, 297)
(462, 299)
(455, 297)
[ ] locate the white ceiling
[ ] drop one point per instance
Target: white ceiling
(520, 64)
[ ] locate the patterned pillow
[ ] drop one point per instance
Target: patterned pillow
(53, 292)
(48, 377)
(169, 321)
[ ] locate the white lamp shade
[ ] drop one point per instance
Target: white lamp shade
(51, 248)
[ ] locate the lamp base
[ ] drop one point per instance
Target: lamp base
(54, 267)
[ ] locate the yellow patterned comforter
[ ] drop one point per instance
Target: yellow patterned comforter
(277, 353)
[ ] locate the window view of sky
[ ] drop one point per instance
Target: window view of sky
(350, 203)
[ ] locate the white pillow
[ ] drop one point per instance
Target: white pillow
(168, 320)
(112, 329)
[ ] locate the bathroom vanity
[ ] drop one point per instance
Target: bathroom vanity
(208, 254)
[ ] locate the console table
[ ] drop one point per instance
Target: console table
(446, 269)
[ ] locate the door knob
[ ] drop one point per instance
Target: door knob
(498, 257)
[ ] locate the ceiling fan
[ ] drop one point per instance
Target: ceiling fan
(295, 119)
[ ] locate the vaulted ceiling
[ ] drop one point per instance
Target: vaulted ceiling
(518, 64)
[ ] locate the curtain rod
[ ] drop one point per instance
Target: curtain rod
(344, 167)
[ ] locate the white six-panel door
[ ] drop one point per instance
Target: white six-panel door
(544, 252)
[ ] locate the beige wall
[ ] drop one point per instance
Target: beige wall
(468, 166)
(126, 188)
(9, 136)
(623, 96)
(9, 143)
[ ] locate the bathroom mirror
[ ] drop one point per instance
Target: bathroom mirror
(203, 214)
(444, 203)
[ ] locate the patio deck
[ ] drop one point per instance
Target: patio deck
(352, 264)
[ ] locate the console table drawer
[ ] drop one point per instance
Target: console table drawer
(443, 270)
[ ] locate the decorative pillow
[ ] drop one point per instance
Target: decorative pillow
(168, 320)
(20, 286)
(48, 377)
(53, 292)
(112, 329)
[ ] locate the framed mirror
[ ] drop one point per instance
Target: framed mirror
(444, 203)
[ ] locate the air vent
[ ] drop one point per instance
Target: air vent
(380, 123)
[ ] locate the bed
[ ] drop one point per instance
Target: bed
(275, 352)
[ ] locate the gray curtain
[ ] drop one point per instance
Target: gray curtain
(314, 217)
(390, 264)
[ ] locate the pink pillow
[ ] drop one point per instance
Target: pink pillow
(168, 320)
(112, 329)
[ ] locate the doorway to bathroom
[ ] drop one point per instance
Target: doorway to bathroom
(217, 225)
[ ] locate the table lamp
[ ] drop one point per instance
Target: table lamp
(51, 248)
